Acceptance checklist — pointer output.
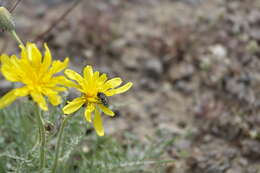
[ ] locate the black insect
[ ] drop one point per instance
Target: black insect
(103, 98)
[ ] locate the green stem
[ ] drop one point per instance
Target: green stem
(42, 138)
(16, 37)
(38, 140)
(58, 145)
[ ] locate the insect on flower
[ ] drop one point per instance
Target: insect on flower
(103, 98)
(95, 89)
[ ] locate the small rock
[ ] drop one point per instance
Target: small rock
(183, 144)
(254, 16)
(207, 138)
(251, 148)
(148, 84)
(40, 11)
(131, 58)
(218, 50)
(226, 129)
(88, 53)
(185, 87)
(182, 71)
(253, 170)
(254, 33)
(63, 38)
(252, 46)
(119, 44)
(243, 162)
(234, 170)
(153, 68)
(130, 62)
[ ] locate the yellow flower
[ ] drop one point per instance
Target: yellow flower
(94, 88)
(36, 73)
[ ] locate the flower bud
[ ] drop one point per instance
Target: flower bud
(6, 20)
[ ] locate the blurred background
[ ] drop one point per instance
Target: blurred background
(195, 66)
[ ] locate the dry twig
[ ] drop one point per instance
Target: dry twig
(57, 21)
(15, 5)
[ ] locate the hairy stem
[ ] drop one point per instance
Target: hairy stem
(16, 37)
(42, 138)
(58, 145)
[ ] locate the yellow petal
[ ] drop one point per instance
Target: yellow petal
(5, 58)
(26, 67)
(74, 105)
(112, 83)
(39, 99)
(47, 58)
(98, 125)
(74, 76)
(88, 72)
(90, 108)
(34, 55)
(119, 90)
(55, 99)
(8, 69)
(7, 99)
(9, 74)
(102, 79)
(15, 62)
(21, 92)
(23, 51)
(60, 89)
(53, 96)
(106, 110)
(96, 76)
(62, 80)
(58, 66)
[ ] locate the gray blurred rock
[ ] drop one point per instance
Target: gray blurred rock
(254, 33)
(218, 50)
(148, 84)
(180, 71)
(62, 39)
(153, 68)
(130, 62)
(131, 58)
(234, 170)
(251, 148)
(183, 144)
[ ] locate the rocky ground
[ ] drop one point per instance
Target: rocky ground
(195, 65)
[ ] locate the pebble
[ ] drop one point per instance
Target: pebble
(153, 68)
(218, 50)
(251, 148)
(148, 84)
(181, 71)
(131, 58)
(63, 38)
(183, 144)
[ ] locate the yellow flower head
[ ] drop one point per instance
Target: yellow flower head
(36, 73)
(94, 88)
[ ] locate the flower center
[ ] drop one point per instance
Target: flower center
(91, 97)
